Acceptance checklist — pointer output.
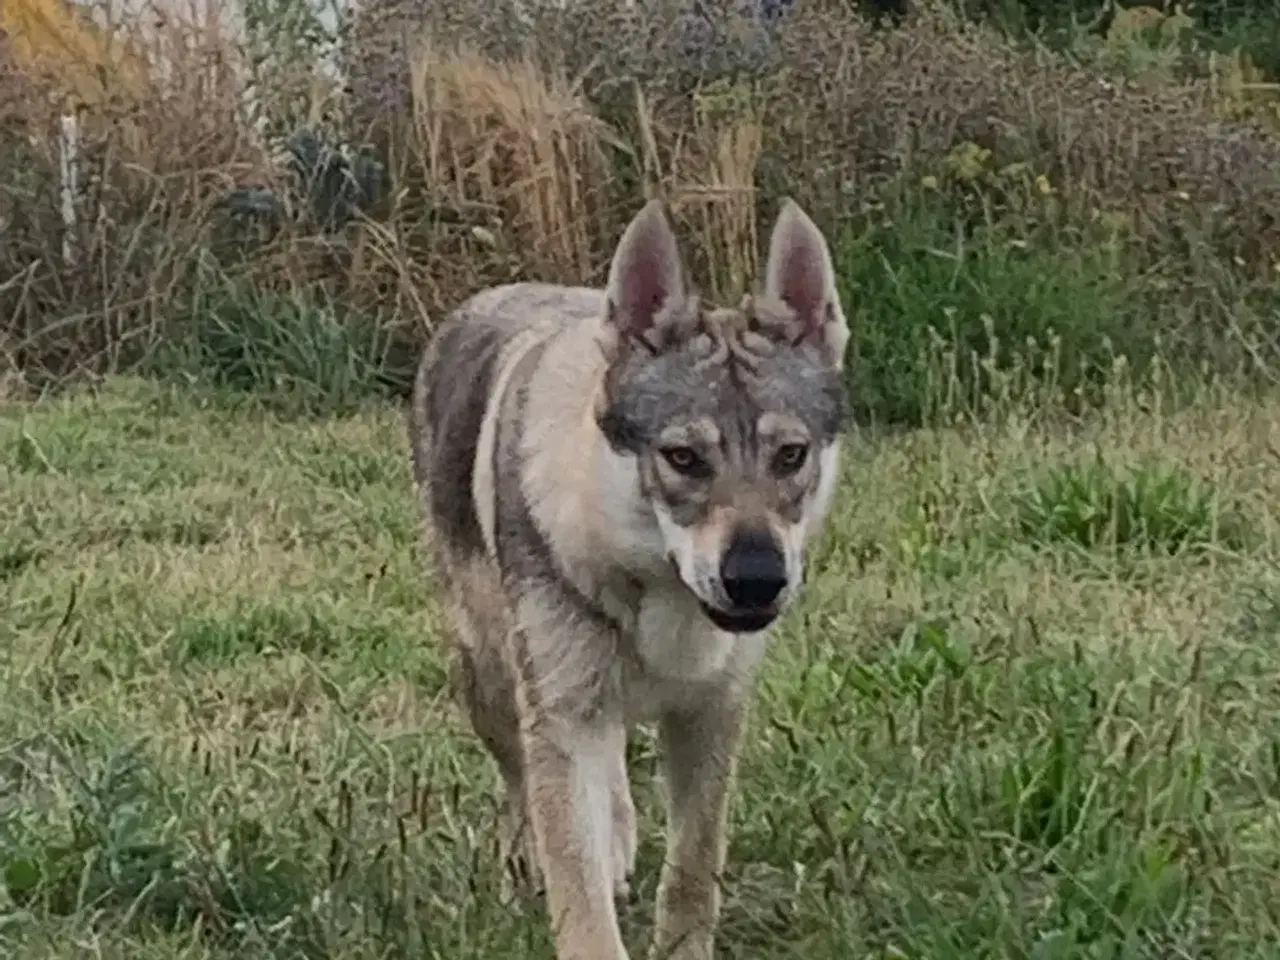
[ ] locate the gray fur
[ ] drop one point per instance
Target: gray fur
(452, 398)
(683, 382)
(523, 554)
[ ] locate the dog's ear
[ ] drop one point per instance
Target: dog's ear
(646, 273)
(800, 275)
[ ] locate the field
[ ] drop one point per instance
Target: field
(1029, 706)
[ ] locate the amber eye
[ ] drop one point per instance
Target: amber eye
(790, 458)
(685, 460)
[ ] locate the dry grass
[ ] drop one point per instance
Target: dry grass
(518, 144)
(512, 153)
(710, 184)
(161, 142)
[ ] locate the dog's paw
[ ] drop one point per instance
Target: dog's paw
(521, 881)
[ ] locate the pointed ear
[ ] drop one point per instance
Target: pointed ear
(646, 273)
(800, 275)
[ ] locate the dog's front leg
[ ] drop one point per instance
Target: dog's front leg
(700, 748)
(569, 771)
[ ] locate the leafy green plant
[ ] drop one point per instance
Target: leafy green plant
(925, 654)
(118, 849)
(109, 852)
(288, 42)
(300, 354)
(941, 311)
(1154, 508)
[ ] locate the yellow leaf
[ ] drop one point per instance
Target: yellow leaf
(90, 63)
(968, 160)
(1131, 21)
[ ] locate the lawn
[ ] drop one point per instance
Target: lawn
(1028, 708)
(1029, 705)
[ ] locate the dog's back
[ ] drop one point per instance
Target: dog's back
(458, 378)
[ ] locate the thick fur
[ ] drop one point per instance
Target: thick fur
(618, 487)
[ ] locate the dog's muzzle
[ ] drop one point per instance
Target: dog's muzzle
(753, 573)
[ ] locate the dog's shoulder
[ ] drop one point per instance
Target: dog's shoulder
(461, 370)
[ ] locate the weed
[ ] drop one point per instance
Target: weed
(310, 356)
(1152, 508)
(943, 314)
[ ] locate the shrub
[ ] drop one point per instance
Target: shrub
(157, 149)
(861, 109)
(511, 153)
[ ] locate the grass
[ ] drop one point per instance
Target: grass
(945, 318)
(226, 729)
(1028, 707)
(308, 355)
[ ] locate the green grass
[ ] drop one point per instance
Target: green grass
(949, 312)
(301, 353)
(989, 731)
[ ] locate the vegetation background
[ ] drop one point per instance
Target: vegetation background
(1029, 708)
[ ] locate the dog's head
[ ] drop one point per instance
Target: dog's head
(732, 416)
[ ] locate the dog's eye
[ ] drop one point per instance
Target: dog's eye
(790, 458)
(686, 461)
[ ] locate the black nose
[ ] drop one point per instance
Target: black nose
(753, 570)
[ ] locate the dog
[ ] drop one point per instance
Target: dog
(617, 488)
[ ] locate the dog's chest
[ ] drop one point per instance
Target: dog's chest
(676, 656)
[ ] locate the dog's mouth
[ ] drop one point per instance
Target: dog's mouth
(741, 621)
(749, 620)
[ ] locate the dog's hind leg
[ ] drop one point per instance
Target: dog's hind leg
(494, 720)
(482, 680)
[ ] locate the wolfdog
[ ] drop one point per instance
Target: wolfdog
(618, 487)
